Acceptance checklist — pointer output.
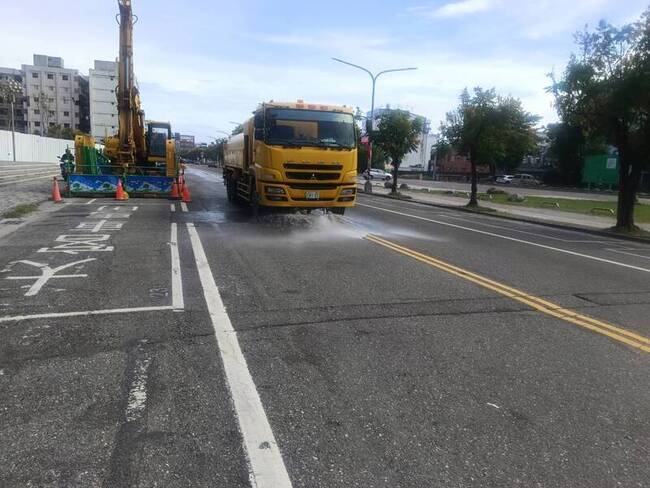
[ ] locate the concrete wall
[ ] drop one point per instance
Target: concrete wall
(33, 148)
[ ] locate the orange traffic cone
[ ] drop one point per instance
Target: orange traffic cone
(186, 194)
(120, 194)
(174, 193)
(56, 194)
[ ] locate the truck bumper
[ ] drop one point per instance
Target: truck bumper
(306, 196)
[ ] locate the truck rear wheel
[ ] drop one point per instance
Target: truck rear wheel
(338, 210)
(231, 187)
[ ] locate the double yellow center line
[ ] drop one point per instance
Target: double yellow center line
(539, 304)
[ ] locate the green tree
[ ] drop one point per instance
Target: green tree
(489, 129)
(59, 132)
(605, 90)
(566, 151)
(214, 151)
(237, 130)
(397, 134)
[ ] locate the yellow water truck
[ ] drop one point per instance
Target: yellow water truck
(293, 155)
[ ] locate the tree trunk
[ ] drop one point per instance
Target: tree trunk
(628, 176)
(473, 200)
(395, 167)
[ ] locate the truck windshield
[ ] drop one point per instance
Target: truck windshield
(309, 128)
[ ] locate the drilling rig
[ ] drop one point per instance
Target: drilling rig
(143, 153)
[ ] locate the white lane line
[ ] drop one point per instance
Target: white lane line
(629, 253)
(184, 206)
(267, 470)
(90, 202)
(172, 207)
(521, 241)
(536, 234)
(16, 318)
(177, 282)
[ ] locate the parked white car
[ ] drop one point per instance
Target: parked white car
(505, 179)
(380, 174)
(518, 179)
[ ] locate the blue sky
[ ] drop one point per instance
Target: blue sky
(203, 63)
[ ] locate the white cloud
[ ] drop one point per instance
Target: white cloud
(454, 9)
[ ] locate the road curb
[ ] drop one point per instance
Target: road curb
(546, 223)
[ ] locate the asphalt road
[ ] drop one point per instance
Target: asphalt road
(397, 346)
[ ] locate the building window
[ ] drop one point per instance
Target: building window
(37, 112)
(67, 126)
(51, 112)
(35, 99)
(37, 124)
(76, 90)
(66, 89)
(50, 100)
(52, 124)
(51, 88)
(35, 87)
(66, 114)
(76, 114)
(34, 75)
(66, 100)
(64, 77)
(50, 76)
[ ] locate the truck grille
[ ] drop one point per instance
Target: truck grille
(320, 167)
(312, 186)
(314, 176)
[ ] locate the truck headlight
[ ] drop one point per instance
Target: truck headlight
(274, 190)
(348, 191)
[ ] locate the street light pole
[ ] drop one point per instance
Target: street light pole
(9, 91)
(13, 130)
(368, 185)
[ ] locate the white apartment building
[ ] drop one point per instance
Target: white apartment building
(52, 95)
(103, 100)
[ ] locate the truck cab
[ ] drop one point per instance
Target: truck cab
(294, 155)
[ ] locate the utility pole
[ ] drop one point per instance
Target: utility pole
(368, 185)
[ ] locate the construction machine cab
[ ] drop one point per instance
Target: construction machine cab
(157, 135)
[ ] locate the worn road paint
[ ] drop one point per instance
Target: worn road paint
(267, 469)
(177, 282)
(184, 206)
(514, 239)
(613, 332)
(172, 207)
(47, 274)
(137, 397)
(17, 318)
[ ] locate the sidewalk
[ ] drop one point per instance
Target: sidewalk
(536, 214)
